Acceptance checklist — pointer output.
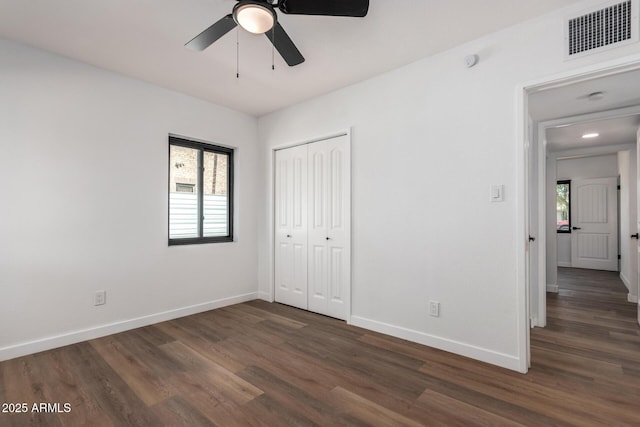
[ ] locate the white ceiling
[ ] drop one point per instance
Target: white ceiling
(616, 131)
(619, 90)
(144, 39)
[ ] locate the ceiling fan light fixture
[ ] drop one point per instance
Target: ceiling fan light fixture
(254, 16)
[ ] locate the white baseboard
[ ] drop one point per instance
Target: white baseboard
(552, 288)
(533, 321)
(478, 353)
(73, 337)
(625, 281)
(564, 264)
(630, 297)
(266, 296)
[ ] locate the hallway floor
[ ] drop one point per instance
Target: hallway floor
(591, 343)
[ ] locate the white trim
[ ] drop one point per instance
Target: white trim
(521, 362)
(553, 288)
(468, 350)
(73, 337)
(626, 282)
(311, 141)
(630, 297)
(601, 150)
(534, 321)
(590, 72)
(564, 264)
(265, 296)
(542, 228)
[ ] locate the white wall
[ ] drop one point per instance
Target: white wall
(432, 137)
(84, 203)
(564, 249)
(580, 168)
(604, 166)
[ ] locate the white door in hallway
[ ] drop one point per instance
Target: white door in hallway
(594, 223)
(291, 226)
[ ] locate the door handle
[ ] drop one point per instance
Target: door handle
(532, 239)
(288, 235)
(635, 236)
(576, 228)
(328, 238)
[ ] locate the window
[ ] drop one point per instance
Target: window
(563, 206)
(184, 188)
(200, 192)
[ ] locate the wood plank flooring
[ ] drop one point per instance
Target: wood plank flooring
(261, 364)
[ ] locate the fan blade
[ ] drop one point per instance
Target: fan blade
(357, 8)
(211, 34)
(284, 45)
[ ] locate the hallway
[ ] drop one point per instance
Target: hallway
(592, 340)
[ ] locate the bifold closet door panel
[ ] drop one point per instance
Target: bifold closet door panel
(291, 249)
(329, 227)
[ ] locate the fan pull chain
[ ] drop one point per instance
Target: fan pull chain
(273, 47)
(237, 53)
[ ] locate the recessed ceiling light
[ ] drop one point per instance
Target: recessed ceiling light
(590, 135)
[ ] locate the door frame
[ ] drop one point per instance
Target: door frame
(271, 199)
(543, 232)
(530, 138)
(637, 251)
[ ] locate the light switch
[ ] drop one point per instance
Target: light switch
(497, 193)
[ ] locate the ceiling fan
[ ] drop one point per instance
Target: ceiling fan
(259, 17)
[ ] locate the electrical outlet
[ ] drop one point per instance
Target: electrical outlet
(434, 308)
(100, 298)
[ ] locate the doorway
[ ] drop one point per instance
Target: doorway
(577, 100)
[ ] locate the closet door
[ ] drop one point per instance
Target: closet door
(329, 266)
(291, 226)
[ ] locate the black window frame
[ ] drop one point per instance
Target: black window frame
(567, 182)
(211, 148)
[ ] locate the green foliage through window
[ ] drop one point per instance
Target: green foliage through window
(563, 206)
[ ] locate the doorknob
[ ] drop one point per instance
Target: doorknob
(288, 235)
(532, 239)
(576, 228)
(635, 236)
(328, 238)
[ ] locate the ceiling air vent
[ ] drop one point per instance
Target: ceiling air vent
(602, 29)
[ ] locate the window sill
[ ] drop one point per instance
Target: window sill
(200, 240)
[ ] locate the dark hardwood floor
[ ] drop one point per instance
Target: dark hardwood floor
(267, 364)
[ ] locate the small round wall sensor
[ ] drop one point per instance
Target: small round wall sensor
(471, 60)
